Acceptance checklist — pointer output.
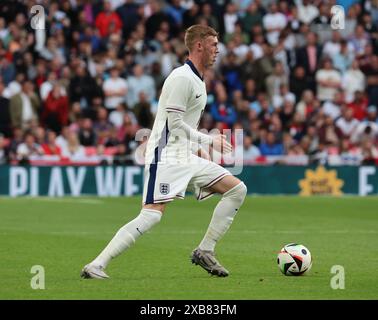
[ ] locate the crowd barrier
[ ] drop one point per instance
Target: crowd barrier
(111, 181)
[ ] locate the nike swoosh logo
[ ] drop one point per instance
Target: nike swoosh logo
(198, 95)
(139, 231)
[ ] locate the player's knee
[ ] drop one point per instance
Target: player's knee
(155, 206)
(238, 192)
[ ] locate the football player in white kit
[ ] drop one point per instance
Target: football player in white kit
(172, 167)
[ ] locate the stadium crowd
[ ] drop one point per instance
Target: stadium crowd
(81, 89)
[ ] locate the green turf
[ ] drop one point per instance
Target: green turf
(64, 234)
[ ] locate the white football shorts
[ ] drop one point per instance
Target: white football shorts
(163, 182)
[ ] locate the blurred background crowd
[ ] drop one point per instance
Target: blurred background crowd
(80, 90)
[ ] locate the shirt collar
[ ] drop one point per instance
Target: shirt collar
(194, 69)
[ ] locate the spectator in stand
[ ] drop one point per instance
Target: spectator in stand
(274, 22)
(5, 120)
(307, 105)
(298, 82)
(308, 56)
(142, 111)
(190, 16)
(359, 105)
(116, 116)
(252, 17)
(328, 81)
(333, 46)
(286, 113)
(87, 135)
(24, 106)
(230, 17)
(264, 66)
(39, 133)
(347, 123)
(108, 21)
(329, 134)
(307, 12)
(50, 147)
(56, 108)
(368, 152)
(209, 16)
(271, 147)
(122, 156)
(102, 125)
(333, 108)
(73, 150)
(372, 114)
(14, 87)
(359, 40)
(284, 95)
(221, 110)
(250, 151)
(126, 134)
(372, 81)
(83, 87)
(343, 59)
(17, 139)
(175, 11)
(47, 86)
(353, 80)
(275, 80)
(115, 89)
(231, 72)
(257, 45)
(249, 90)
(137, 83)
(3, 151)
(7, 69)
(365, 130)
(28, 148)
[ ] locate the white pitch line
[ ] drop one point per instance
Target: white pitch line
(75, 201)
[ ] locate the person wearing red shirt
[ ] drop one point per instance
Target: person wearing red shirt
(359, 105)
(55, 112)
(108, 21)
(50, 148)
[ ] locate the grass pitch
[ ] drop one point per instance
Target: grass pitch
(62, 235)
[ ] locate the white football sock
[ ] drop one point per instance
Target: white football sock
(127, 235)
(223, 216)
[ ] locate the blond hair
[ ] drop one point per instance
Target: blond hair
(198, 32)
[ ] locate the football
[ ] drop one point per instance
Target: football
(294, 259)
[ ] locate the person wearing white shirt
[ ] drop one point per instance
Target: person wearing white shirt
(115, 89)
(333, 108)
(353, 80)
(347, 124)
(137, 83)
(73, 150)
(28, 148)
(332, 46)
(328, 81)
(230, 18)
(306, 11)
(273, 23)
(250, 151)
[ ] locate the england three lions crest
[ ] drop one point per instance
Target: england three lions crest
(164, 188)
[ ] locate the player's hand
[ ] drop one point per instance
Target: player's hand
(203, 154)
(220, 144)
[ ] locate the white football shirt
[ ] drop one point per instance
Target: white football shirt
(183, 91)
